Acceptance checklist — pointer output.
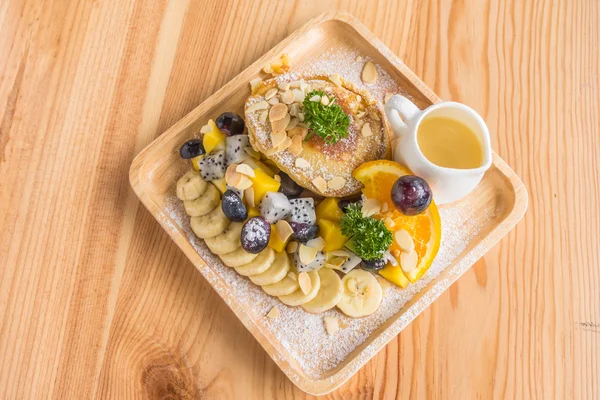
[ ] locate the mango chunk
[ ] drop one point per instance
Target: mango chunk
(328, 209)
(263, 183)
(220, 184)
(213, 139)
(253, 212)
(332, 234)
(275, 241)
(394, 275)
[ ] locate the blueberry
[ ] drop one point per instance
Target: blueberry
(255, 236)
(230, 124)
(304, 232)
(192, 148)
(374, 265)
(233, 207)
(411, 195)
(288, 187)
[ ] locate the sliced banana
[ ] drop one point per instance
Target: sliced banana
(237, 257)
(289, 284)
(362, 294)
(276, 272)
(298, 297)
(329, 294)
(259, 265)
(190, 186)
(210, 225)
(227, 241)
(204, 204)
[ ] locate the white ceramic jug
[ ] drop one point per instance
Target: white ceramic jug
(448, 184)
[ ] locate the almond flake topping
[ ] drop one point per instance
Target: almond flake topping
(336, 183)
(302, 163)
(304, 282)
(320, 184)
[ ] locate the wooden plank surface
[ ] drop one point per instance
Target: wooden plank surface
(97, 302)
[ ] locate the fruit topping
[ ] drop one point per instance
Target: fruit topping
(370, 237)
(362, 294)
(253, 212)
(214, 139)
(303, 211)
(331, 232)
(289, 187)
(191, 148)
(233, 207)
(213, 166)
(190, 186)
(304, 232)
(329, 209)
(325, 118)
(235, 149)
(255, 236)
(275, 206)
(374, 265)
(411, 195)
(230, 124)
(263, 183)
(308, 259)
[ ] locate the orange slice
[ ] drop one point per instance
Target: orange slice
(425, 229)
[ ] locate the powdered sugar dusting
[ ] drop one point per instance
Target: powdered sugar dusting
(302, 334)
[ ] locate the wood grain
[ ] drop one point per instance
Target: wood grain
(97, 301)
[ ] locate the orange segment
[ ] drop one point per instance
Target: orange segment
(425, 229)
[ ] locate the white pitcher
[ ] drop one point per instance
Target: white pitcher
(448, 184)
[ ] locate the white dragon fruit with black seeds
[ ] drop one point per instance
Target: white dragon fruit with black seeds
(212, 166)
(275, 206)
(303, 211)
(314, 265)
(350, 263)
(234, 150)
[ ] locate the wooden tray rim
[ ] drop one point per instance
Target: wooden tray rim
(322, 386)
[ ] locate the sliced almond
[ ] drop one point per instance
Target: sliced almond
(302, 163)
(304, 87)
(374, 115)
(304, 282)
(274, 313)
(254, 83)
(277, 138)
(270, 93)
(294, 108)
(408, 261)
(396, 253)
(260, 105)
(366, 130)
(360, 114)
(244, 183)
(273, 100)
(358, 98)
(284, 229)
(369, 73)
(291, 248)
(336, 79)
(306, 253)
(336, 183)
(268, 69)
(206, 128)
(263, 116)
(279, 126)
(317, 243)
(337, 261)
(249, 196)
(277, 112)
(287, 97)
(295, 84)
(332, 325)
(325, 100)
(358, 59)
(296, 146)
(277, 178)
(387, 97)
(287, 142)
(272, 151)
(231, 174)
(284, 86)
(292, 124)
(298, 95)
(320, 184)
(252, 153)
(371, 207)
(384, 207)
(292, 275)
(298, 131)
(404, 241)
(389, 222)
(316, 98)
(301, 116)
(246, 170)
(339, 253)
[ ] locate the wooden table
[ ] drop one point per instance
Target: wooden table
(97, 302)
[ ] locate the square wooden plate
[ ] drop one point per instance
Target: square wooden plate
(479, 220)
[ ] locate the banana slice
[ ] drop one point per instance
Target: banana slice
(204, 204)
(210, 225)
(329, 294)
(190, 186)
(259, 265)
(227, 241)
(237, 257)
(276, 272)
(362, 294)
(298, 297)
(289, 284)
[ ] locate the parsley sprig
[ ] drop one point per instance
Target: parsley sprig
(327, 121)
(370, 237)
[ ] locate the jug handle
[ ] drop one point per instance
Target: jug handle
(396, 107)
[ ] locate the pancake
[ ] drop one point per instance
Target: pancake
(325, 169)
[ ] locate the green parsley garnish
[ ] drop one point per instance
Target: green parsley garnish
(370, 238)
(327, 121)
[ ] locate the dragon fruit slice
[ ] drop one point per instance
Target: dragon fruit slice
(275, 206)
(303, 211)
(234, 150)
(212, 166)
